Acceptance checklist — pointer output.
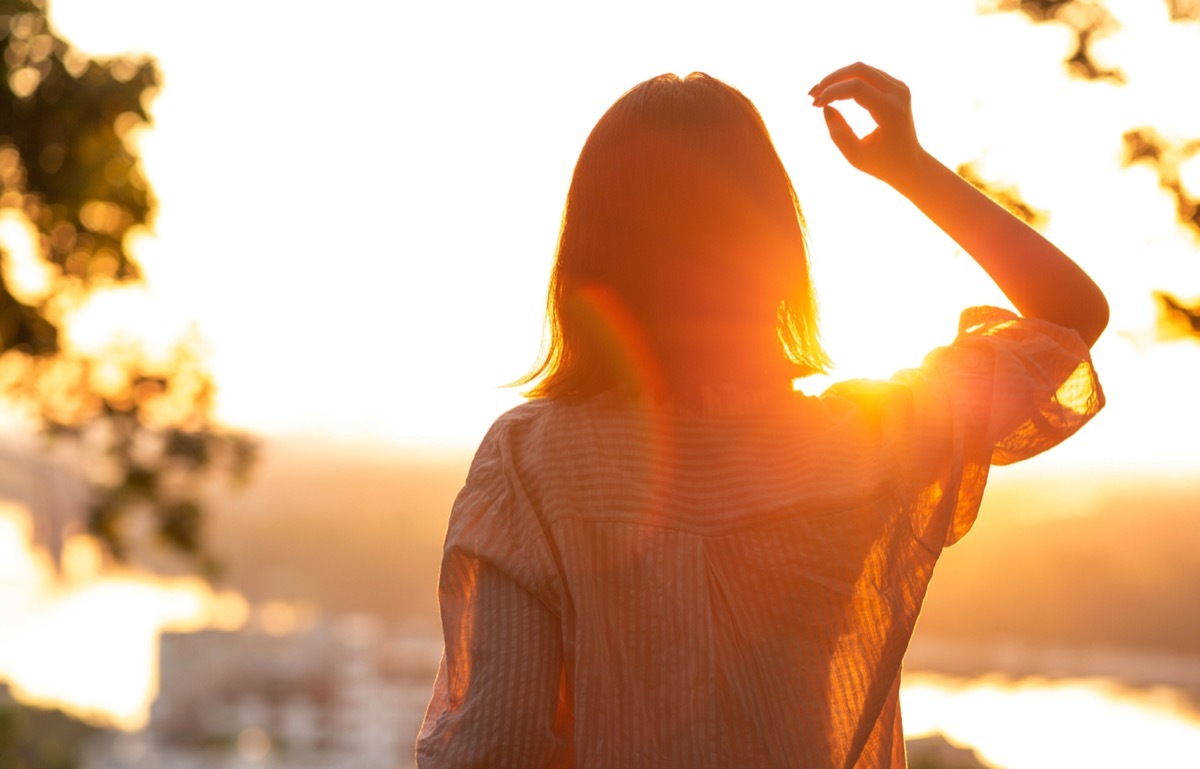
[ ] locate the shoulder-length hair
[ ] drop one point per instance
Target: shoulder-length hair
(679, 208)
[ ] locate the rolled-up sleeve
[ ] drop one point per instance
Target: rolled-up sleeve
(1042, 388)
(1006, 389)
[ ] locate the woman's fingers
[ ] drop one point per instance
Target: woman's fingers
(890, 109)
(843, 135)
(867, 95)
(876, 91)
(857, 70)
(891, 150)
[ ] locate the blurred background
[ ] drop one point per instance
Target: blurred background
(266, 269)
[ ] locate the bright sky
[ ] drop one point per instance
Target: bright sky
(359, 201)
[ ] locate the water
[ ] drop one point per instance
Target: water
(1040, 723)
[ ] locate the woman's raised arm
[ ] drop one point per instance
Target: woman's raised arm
(1040, 280)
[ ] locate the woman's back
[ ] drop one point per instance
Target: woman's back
(730, 582)
(671, 559)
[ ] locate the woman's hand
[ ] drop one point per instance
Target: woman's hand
(891, 152)
(1039, 279)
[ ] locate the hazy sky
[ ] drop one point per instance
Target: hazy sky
(359, 201)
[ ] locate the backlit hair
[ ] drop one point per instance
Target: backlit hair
(679, 207)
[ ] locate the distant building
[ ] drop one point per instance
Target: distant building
(346, 693)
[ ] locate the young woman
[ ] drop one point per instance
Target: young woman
(670, 558)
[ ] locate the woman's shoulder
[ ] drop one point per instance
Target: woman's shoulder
(536, 417)
(529, 433)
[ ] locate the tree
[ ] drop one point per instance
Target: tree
(1088, 21)
(71, 179)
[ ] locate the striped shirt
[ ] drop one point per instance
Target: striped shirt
(732, 584)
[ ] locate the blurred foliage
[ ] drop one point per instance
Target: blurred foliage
(1177, 319)
(68, 170)
(32, 738)
(1087, 20)
(1145, 145)
(1006, 195)
(1090, 20)
(1184, 10)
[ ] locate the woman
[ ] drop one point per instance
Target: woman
(669, 558)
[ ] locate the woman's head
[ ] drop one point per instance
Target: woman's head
(680, 216)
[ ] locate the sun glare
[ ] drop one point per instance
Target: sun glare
(399, 303)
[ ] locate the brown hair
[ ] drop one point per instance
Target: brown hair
(679, 208)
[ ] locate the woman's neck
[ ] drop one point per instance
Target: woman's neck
(716, 354)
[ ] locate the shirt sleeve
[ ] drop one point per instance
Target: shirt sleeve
(498, 697)
(1028, 384)
(1006, 389)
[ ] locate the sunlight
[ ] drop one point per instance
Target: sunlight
(394, 267)
(26, 275)
(859, 119)
(125, 314)
(363, 248)
(1189, 175)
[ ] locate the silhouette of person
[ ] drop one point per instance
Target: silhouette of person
(668, 557)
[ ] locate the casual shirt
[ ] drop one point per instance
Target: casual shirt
(730, 582)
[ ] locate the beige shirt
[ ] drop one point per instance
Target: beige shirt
(733, 585)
